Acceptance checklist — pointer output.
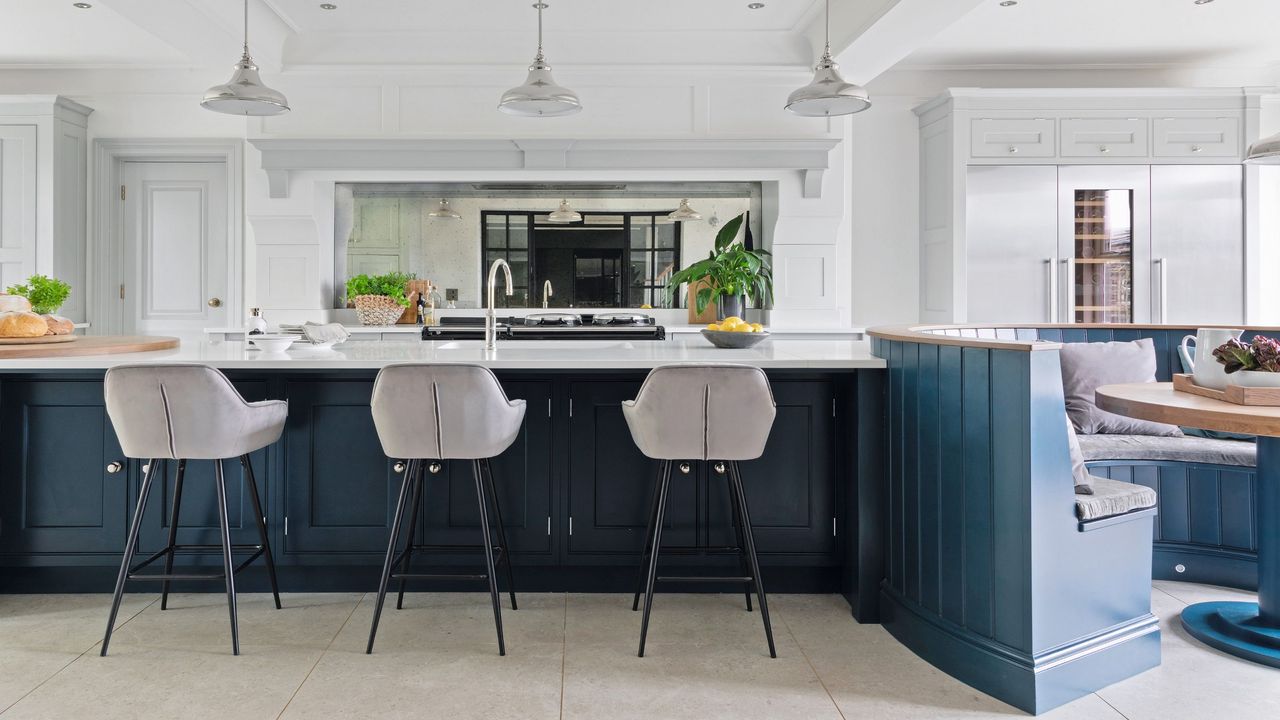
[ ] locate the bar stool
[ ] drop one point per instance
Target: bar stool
(429, 413)
(189, 412)
(719, 413)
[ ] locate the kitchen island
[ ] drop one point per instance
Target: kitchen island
(574, 488)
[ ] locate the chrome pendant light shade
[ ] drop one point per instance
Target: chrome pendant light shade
(540, 96)
(443, 210)
(1265, 152)
(829, 94)
(565, 214)
(244, 93)
(684, 213)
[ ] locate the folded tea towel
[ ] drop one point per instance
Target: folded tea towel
(329, 332)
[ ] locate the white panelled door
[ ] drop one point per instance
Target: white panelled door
(176, 272)
(17, 203)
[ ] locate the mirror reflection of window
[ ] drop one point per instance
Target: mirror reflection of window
(629, 243)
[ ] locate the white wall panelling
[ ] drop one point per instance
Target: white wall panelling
(17, 203)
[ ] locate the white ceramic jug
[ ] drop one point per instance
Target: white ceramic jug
(1204, 366)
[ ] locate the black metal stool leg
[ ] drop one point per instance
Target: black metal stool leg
(228, 564)
(738, 530)
(261, 519)
(415, 502)
(174, 511)
(653, 555)
(648, 537)
(391, 551)
(749, 536)
(130, 546)
(502, 530)
(488, 555)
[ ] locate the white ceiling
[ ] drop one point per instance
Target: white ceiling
(1224, 33)
(53, 32)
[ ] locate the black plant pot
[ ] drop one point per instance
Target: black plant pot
(731, 305)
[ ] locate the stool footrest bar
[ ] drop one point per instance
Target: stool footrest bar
(690, 578)
(438, 576)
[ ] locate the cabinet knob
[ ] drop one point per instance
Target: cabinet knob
(215, 302)
(1013, 149)
(719, 468)
(1196, 148)
(398, 467)
(1104, 149)
(114, 467)
(685, 468)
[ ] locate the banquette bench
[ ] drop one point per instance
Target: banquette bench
(990, 572)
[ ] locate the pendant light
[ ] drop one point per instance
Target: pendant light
(244, 93)
(565, 214)
(444, 211)
(829, 94)
(1265, 152)
(540, 96)
(684, 213)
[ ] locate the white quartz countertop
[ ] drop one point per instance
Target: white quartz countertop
(596, 355)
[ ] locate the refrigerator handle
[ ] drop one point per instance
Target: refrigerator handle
(1162, 272)
(1051, 281)
(1068, 290)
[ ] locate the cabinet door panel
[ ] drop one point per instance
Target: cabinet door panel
(340, 490)
(56, 444)
(1197, 244)
(1191, 138)
(1013, 138)
(1105, 137)
(790, 489)
(17, 203)
(611, 483)
(522, 476)
(1012, 233)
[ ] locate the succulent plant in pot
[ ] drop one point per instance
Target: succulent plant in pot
(732, 274)
(379, 299)
(1256, 364)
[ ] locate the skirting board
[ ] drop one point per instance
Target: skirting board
(1035, 685)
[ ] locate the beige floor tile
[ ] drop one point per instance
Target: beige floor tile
(871, 675)
(178, 663)
(42, 634)
(438, 658)
(706, 657)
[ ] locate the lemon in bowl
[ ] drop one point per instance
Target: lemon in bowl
(735, 333)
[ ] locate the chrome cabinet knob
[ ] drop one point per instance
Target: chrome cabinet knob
(398, 467)
(1013, 149)
(1104, 149)
(1196, 148)
(114, 467)
(215, 302)
(685, 468)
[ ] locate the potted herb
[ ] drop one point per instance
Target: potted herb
(1256, 364)
(45, 294)
(730, 275)
(379, 299)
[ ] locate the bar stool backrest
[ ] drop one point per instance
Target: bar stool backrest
(702, 412)
(177, 411)
(443, 411)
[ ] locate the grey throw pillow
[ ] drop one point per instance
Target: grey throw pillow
(1087, 366)
(1079, 473)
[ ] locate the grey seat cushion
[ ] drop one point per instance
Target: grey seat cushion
(1176, 449)
(1113, 497)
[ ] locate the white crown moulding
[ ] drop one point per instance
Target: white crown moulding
(283, 156)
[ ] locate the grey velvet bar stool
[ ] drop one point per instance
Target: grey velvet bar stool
(425, 414)
(188, 412)
(717, 413)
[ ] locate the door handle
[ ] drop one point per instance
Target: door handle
(1162, 272)
(215, 302)
(1069, 290)
(1051, 281)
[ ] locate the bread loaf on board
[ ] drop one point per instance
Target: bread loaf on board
(59, 325)
(14, 303)
(22, 325)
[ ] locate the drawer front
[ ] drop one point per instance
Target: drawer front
(1012, 137)
(1105, 137)
(1197, 137)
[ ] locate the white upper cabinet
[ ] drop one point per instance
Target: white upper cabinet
(1196, 137)
(1105, 137)
(1013, 137)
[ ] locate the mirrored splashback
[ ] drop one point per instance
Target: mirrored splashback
(614, 246)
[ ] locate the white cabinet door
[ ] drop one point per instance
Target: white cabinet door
(1104, 240)
(1104, 137)
(1197, 244)
(17, 203)
(175, 231)
(1217, 137)
(1012, 138)
(1011, 231)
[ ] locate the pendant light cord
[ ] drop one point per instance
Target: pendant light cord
(828, 30)
(540, 6)
(246, 28)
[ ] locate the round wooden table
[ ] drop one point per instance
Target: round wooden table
(1247, 630)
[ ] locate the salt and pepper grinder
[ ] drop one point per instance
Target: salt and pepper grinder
(257, 324)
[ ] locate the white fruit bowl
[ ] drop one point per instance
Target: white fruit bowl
(272, 343)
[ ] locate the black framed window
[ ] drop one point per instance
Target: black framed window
(507, 236)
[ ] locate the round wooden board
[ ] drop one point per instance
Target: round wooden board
(42, 340)
(90, 345)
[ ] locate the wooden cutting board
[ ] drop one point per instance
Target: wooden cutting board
(89, 345)
(1237, 394)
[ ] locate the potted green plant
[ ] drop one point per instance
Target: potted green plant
(379, 299)
(732, 273)
(45, 294)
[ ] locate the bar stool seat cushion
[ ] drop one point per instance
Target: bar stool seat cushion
(187, 411)
(443, 412)
(702, 412)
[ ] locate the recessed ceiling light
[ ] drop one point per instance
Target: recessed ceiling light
(82, 6)
(1203, 2)
(328, 6)
(754, 6)
(1008, 3)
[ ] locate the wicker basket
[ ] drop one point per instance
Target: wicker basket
(377, 309)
